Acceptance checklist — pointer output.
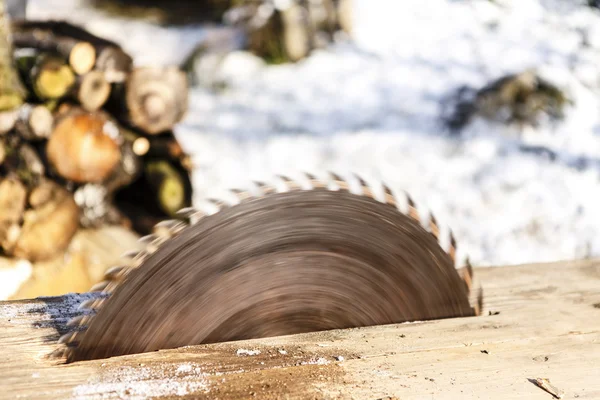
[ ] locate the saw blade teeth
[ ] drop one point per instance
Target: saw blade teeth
(99, 287)
(434, 228)
(131, 254)
(197, 216)
(452, 247)
(479, 304)
(62, 352)
(464, 275)
(313, 182)
(207, 207)
(284, 184)
(412, 209)
(231, 198)
(388, 196)
(339, 182)
(91, 304)
(139, 259)
(241, 195)
(467, 274)
(219, 203)
(360, 180)
(80, 320)
(167, 223)
(263, 189)
(365, 187)
(166, 234)
(148, 239)
(286, 180)
(189, 215)
(116, 273)
(168, 227)
(68, 338)
(186, 212)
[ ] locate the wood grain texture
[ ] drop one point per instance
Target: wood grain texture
(548, 326)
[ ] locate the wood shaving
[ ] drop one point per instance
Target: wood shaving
(544, 383)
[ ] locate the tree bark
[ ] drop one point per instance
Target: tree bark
(110, 57)
(47, 76)
(80, 55)
(12, 91)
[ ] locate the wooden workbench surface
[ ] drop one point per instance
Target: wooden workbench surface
(548, 326)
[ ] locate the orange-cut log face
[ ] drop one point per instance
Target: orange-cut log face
(83, 148)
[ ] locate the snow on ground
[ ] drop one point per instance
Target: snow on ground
(372, 106)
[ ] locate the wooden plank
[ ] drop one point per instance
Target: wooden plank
(548, 326)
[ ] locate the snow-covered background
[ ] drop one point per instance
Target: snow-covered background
(371, 106)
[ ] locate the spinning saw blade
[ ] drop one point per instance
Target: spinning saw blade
(283, 262)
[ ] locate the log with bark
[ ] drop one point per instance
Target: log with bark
(109, 56)
(97, 200)
(46, 76)
(163, 187)
(34, 122)
(12, 92)
(8, 119)
(21, 160)
(49, 224)
(80, 55)
(37, 224)
(277, 35)
(152, 99)
(91, 90)
(84, 146)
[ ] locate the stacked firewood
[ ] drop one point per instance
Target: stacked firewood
(277, 31)
(86, 139)
(288, 31)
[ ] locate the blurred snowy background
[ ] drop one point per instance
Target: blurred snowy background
(371, 104)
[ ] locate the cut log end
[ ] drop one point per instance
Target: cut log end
(49, 225)
(156, 98)
(53, 80)
(172, 195)
(82, 57)
(34, 122)
(93, 90)
(84, 147)
(115, 63)
(10, 101)
(8, 119)
(141, 146)
(168, 184)
(154, 106)
(41, 121)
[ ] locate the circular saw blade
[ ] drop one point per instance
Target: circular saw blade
(284, 263)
